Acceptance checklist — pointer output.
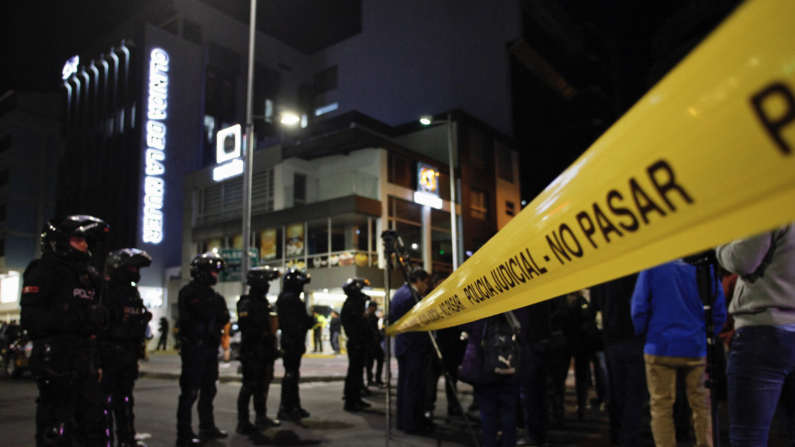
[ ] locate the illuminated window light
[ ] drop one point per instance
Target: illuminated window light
(326, 109)
(9, 287)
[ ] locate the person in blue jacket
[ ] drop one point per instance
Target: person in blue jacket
(413, 350)
(667, 309)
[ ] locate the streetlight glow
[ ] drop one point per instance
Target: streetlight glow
(426, 120)
(290, 118)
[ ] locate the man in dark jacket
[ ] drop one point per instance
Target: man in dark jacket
(257, 349)
(354, 322)
(61, 316)
(202, 316)
(412, 350)
(121, 343)
(294, 322)
(624, 359)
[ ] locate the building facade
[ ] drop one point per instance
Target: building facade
(30, 126)
(321, 200)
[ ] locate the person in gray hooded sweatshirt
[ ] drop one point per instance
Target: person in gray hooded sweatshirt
(761, 367)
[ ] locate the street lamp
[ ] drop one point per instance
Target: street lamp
(427, 121)
(290, 118)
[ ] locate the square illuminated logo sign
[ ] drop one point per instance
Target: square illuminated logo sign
(227, 144)
(227, 153)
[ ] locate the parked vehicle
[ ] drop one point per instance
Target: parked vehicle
(18, 355)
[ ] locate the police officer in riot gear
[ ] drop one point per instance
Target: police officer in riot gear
(120, 344)
(202, 316)
(294, 322)
(258, 326)
(354, 321)
(60, 312)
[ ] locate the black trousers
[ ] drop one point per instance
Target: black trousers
(354, 381)
(317, 334)
(559, 363)
(119, 373)
(197, 381)
(412, 366)
(293, 351)
(163, 342)
(257, 378)
(69, 407)
(375, 355)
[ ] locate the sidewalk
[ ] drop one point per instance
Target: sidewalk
(314, 367)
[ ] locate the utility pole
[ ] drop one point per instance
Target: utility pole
(249, 147)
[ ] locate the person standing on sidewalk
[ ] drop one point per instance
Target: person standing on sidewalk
(163, 327)
(317, 331)
(626, 366)
(667, 309)
(375, 355)
(761, 370)
(257, 350)
(120, 344)
(334, 328)
(354, 321)
(294, 322)
(202, 317)
(412, 350)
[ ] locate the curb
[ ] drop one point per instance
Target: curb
(228, 379)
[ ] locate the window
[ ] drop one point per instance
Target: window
(401, 171)
(192, 32)
(406, 218)
(5, 143)
(510, 208)
(326, 109)
(326, 80)
(479, 204)
(504, 163)
(299, 188)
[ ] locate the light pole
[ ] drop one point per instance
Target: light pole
(426, 121)
(251, 143)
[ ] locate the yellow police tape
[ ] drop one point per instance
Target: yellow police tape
(704, 158)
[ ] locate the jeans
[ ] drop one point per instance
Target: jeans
(628, 374)
(335, 341)
(761, 373)
(661, 377)
(498, 410)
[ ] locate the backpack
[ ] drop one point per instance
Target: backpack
(502, 348)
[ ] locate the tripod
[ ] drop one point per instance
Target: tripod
(390, 238)
(706, 268)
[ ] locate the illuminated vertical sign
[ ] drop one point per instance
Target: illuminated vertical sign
(155, 154)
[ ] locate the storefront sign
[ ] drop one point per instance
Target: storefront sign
(427, 179)
(154, 185)
(70, 67)
(227, 153)
(267, 243)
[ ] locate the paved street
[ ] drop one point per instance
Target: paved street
(156, 400)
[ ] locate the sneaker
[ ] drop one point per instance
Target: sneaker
(264, 423)
(189, 440)
(290, 414)
(212, 433)
(364, 403)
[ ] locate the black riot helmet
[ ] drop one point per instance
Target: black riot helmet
(354, 286)
(202, 266)
(295, 280)
(125, 265)
(259, 278)
(56, 235)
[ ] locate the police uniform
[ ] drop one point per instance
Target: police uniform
(120, 347)
(293, 322)
(257, 354)
(354, 321)
(202, 316)
(60, 315)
